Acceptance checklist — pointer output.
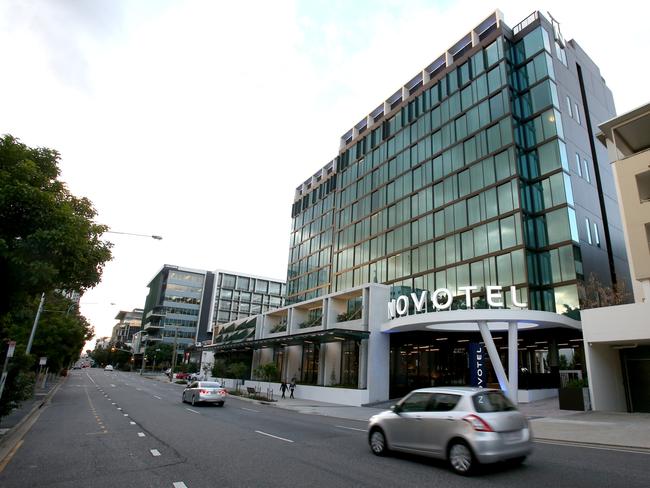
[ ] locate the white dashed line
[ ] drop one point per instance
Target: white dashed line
(274, 436)
(140, 434)
(156, 396)
(194, 411)
(119, 408)
(250, 410)
(132, 423)
(112, 386)
(179, 484)
(350, 428)
(154, 452)
(126, 414)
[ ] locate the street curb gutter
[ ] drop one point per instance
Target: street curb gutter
(593, 445)
(11, 439)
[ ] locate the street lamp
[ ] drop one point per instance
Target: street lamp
(158, 238)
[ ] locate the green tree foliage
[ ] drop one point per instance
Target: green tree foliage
(267, 372)
(238, 371)
(219, 369)
(48, 239)
(162, 353)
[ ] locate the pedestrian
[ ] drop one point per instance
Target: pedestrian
(283, 388)
(292, 386)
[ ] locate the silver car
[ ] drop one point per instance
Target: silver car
(205, 391)
(466, 426)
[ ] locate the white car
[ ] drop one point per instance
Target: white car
(108, 368)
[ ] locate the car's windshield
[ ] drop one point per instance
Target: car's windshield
(492, 401)
(209, 384)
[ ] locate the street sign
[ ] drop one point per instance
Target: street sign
(42, 361)
(11, 349)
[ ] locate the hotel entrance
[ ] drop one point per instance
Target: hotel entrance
(422, 359)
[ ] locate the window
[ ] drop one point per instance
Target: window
(588, 227)
(596, 235)
(577, 113)
(568, 106)
(585, 165)
(443, 402)
(310, 359)
(417, 402)
(350, 363)
(643, 186)
(578, 165)
(491, 401)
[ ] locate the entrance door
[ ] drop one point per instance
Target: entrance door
(637, 375)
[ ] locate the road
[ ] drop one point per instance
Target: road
(123, 430)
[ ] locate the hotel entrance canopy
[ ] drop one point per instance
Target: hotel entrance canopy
(486, 321)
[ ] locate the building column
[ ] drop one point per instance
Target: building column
(513, 362)
(363, 364)
(494, 355)
(321, 365)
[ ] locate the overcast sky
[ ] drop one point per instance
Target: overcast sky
(196, 120)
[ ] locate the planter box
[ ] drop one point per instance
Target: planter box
(574, 399)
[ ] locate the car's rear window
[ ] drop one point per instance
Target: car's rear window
(492, 401)
(209, 384)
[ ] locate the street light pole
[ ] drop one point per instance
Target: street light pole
(171, 377)
(38, 316)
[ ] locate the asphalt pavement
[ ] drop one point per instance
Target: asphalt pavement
(120, 429)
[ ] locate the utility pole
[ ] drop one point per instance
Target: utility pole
(38, 316)
(171, 377)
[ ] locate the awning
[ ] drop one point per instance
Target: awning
(329, 335)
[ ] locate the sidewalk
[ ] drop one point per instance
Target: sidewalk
(17, 415)
(548, 422)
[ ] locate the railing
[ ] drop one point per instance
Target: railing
(525, 23)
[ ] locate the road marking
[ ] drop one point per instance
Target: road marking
(113, 403)
(112, 385)
(138, 389)
(154, 452)
(350, 428)
(179, 484)
(126, 414)
(593, 446)
(250, 410)
(6, 460)
(193, 410)
(156, 396)
(274, 436)
(119, 408)
(140, 434)
(132, 423)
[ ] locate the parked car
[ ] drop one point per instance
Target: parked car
(182, 376)
(466, 426)
(108, 367)
(205, 391)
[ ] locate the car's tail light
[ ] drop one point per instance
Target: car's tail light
(222, 392)
(478, 423)
(205, 392)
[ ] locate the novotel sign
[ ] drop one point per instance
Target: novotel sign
(442, 299)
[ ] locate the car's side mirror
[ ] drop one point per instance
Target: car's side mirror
(396, 409)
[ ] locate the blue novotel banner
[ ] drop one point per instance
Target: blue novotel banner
(477, 371)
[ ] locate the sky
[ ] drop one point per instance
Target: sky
(196, 120)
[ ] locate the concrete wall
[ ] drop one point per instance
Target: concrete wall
(605, 378)
(378, 360)
(603, 330)
(341, 396)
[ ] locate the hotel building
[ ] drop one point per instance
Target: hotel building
(482, 170)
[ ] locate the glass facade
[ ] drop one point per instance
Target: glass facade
(464, 182)
(239, 296)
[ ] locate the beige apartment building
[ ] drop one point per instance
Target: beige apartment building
(617, 339)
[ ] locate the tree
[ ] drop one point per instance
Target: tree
(593, 294)
(267, 372)
(238, 371)
(219, 369)
(162, 353)
(48, 239)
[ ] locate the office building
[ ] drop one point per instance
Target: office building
(184, 305)
(129, 323)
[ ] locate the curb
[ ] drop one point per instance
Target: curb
(593, 445)
(11, 439)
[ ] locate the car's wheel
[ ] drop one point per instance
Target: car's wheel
(461, 458)
(184, 401)
(378, 444)
(193, 400)
(220, 404)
